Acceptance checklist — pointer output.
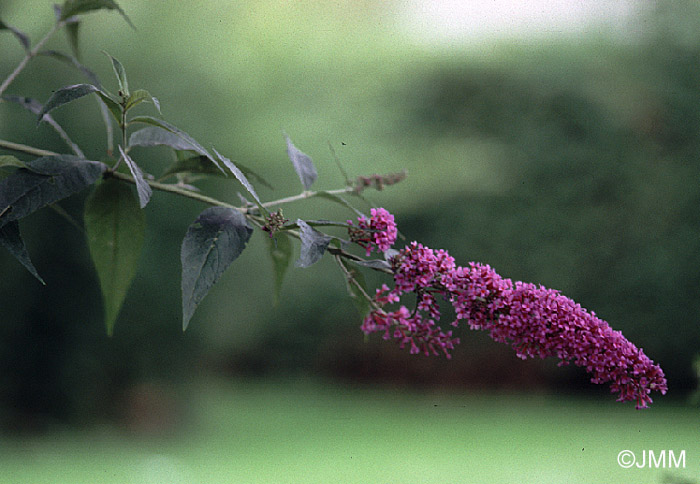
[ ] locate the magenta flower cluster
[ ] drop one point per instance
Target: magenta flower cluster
(534, 320)
(379, 231)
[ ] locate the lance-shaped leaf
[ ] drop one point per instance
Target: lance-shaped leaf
(11, 239)
(120, 73)
(139, 96)
(73, 35)
(73, 62)
(239, 175)
(356, 286)
(195, 164)
(115, 231)
(213, 241)
(313, 244)
(188, 161)
(21, 36)
(142, 187)
(51, 178)
(106, 103)
(78, 7)
(280, 249)
(11, 161)
(181, 134)
(113, 106)
(302, 164)
(156, 136)
(66, 95)
(374, 264)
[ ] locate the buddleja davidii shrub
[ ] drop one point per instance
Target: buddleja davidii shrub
(534, 320)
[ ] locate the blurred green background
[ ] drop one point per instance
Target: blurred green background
(568, 161)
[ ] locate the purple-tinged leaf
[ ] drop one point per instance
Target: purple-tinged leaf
(313, 244)
(51, 179)
(213, 241)
(239, 175)
(155, 136)
(302, 164)
(374, 264)
(193, 145)
(65, 95)
(143, 189)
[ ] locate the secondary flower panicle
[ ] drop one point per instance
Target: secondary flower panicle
(409, 328)
(378, 232)
(534, 320)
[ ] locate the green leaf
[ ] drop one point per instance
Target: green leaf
(302, 164)
(58, 177)
(196, 164)
(337, 199)
(9, 160)
(213, 241)
(142, 187)
(358, 298)
(66, 95)
(115, 229)
(313, 244)
(21, 36)
(72, 33)
(112, 105)
(139, 96)
(106, 103)
(239, 176)
(11, 239)
(251, 174)
(121, 76)
(280, 248)
(188, 161)
(181, 134)
(78, 7)
(12, 162)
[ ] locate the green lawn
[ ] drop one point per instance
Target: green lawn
(311, 432)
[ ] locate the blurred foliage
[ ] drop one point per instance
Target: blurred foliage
(570, 165)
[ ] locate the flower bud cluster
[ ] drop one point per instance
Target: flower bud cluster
(533, 320)
(274, 222)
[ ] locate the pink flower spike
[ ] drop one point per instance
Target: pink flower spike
(533, 320)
